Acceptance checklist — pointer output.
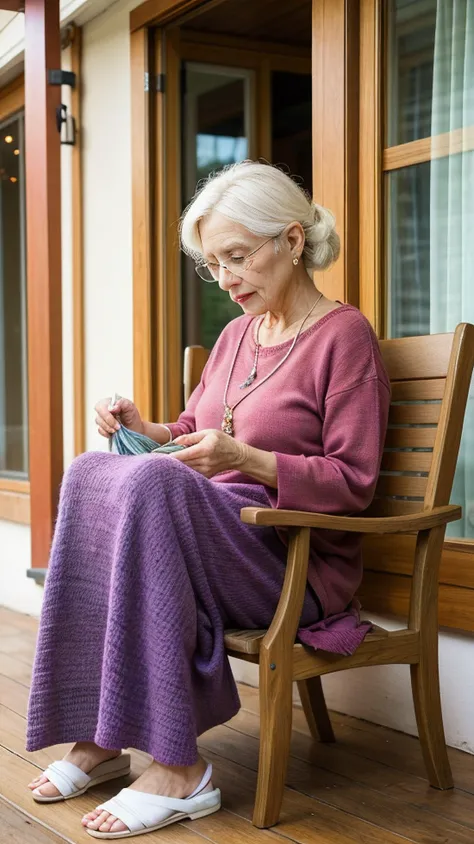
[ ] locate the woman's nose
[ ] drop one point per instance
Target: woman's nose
(226, 278)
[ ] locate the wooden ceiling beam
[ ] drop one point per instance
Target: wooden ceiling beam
(161, 12)
(12, 5)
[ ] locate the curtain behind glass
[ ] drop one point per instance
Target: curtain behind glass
(452, 213)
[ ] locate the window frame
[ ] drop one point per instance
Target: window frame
(14, 494)
(376, 160)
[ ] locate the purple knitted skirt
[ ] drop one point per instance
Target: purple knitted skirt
(149, 565)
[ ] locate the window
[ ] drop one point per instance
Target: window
(13, 362)
(429, 179)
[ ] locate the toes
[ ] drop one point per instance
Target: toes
(91, 816)
(103, 821)
(106, 825)
(47, 789)
(100, 819)
(37, 781)
(118, 826)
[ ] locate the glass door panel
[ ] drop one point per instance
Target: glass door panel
(218, 129)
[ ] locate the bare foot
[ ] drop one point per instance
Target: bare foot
(157, 779)
(85, 754)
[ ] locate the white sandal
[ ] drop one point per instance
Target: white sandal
(71, 781)
(143, 812)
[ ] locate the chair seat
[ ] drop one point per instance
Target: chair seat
(244, 641)
(249, 641)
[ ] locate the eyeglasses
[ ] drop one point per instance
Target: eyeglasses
(210, 271)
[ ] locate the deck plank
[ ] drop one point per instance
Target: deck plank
(18, 828)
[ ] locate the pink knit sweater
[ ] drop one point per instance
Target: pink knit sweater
(324, 415)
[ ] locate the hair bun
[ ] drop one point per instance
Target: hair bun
(322, 245)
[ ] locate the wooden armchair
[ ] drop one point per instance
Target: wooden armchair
(430, 381)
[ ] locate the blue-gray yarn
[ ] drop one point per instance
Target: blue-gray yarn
(125, 441)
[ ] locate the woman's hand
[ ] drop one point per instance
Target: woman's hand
(210, 452)
(106, 419)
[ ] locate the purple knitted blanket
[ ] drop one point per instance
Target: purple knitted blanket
(149, 565)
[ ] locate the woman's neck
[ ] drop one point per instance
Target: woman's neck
(280, 325)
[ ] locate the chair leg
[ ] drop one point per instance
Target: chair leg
(425, 673)
(276, 710)
(314, 707)
(429, 718)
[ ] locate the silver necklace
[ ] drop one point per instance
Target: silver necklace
(228, 419)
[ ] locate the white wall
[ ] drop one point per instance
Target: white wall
(108, 215)
(17, 591)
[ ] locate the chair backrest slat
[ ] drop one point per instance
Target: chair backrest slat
(428, 389)
(406, 461)
(195, 359)
(413, 358)
(419, 437)
(415, 414)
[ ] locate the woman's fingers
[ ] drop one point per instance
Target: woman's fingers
(104, 429)
(191, 439)
(105, 419)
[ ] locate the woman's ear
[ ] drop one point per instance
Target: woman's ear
(295, 238)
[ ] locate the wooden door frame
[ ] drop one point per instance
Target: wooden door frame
(158, 389)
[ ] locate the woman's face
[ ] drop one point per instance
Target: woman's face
(264, 281)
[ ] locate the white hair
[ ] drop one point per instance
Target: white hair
(264, 200)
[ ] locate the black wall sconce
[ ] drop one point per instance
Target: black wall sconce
(66, 125)
(65, 122)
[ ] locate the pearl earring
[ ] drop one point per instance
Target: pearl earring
(295, 260)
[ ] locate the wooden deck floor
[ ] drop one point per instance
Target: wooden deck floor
(369, 788)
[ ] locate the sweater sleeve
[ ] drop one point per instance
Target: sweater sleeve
(343, 479)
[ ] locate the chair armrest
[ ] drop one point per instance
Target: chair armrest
(413, 522)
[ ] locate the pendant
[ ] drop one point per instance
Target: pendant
(251, 378)
(228, 421)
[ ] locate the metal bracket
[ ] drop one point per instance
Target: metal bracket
(62, 77)
(159, 83)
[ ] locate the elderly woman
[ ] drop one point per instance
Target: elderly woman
(150, 562)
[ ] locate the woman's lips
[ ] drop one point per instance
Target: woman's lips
(241, 299)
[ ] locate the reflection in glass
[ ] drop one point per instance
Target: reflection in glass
(411, 26)
(13, 401)
(408, 253)
(216, 116)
